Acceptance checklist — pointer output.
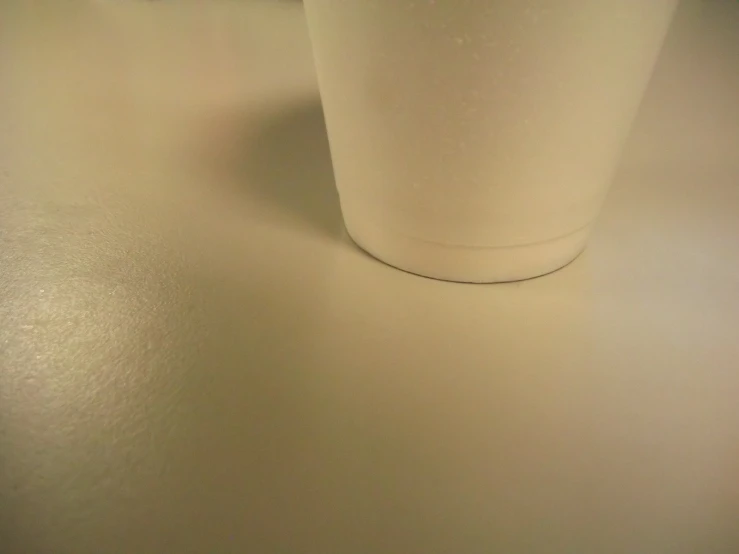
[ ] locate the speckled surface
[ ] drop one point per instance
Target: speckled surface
(194, 358)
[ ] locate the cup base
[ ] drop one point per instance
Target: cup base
(466, 264)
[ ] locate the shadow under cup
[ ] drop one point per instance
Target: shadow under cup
(476, 141)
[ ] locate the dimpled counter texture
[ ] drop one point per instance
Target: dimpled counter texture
(194, 358)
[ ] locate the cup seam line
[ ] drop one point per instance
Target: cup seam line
(482, 247)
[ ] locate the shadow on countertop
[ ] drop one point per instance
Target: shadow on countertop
(288, 165)
(274, 164)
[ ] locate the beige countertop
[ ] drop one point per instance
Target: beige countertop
(194, 358)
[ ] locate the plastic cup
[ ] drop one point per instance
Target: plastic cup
(476, 140)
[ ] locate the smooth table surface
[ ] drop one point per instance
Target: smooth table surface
(194, 358)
